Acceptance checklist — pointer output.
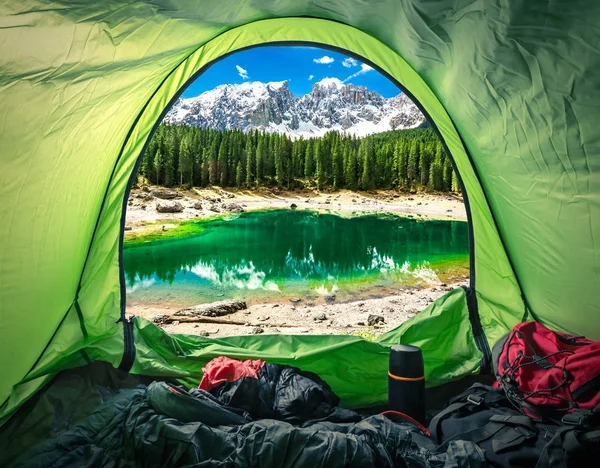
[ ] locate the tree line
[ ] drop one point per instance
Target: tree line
(402, 159)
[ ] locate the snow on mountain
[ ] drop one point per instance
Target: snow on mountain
(331, 105)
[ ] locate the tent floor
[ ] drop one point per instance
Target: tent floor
(75, 393)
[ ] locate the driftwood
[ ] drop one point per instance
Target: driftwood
(214, 309)
(166, 319)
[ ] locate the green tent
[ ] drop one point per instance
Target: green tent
(512, 87)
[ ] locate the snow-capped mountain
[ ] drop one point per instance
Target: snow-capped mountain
(331, 105)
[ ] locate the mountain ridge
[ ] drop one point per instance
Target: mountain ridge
(330, 105)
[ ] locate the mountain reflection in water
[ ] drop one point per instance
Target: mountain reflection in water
(285, 252)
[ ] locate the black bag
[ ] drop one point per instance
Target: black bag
(485, 416)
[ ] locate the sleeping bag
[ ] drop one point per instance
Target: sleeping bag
(281, 417)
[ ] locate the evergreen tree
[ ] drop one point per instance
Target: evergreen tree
(239, 176)
(396, 164)
(213, 171)
(309, 166)
(147, 166)
(222, 162)
(170, 153)
(448, 173)
(337, 161)
(279, 171)
(205, 167)
(169, 168)
(454, 186)
(186, 161)
(425, 162)
(403, 164)
(287, 163)
(261, 155)
(320, 169)
(197, 156)
(436, 179)
(298, 159)
(159, 166)
(413, 162)
(250, 162)
(367, 154)
(269, 159)
(351, 169)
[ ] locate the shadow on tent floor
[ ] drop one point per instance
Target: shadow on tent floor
(76, 393)
(68, 399)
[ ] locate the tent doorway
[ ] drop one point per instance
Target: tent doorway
(330, 143)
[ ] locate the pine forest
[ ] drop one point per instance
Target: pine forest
(404, 160)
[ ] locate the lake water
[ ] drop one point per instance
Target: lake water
(281, 254)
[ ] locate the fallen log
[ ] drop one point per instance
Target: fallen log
(166, 319)
(214, 309)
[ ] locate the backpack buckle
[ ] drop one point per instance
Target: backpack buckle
(475, 399)
(574, 419)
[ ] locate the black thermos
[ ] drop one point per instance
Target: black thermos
(406, 381)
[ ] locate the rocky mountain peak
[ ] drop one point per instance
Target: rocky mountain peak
(331, 105)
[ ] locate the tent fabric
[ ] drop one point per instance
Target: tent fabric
(510, 86)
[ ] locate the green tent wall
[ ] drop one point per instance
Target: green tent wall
(511, 86)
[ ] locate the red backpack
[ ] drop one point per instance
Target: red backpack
(548, 374)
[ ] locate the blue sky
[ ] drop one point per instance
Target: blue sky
(301, 66)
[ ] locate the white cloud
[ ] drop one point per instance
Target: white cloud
(331, 81)
(363, 69)
(243, 73)
(311, 77)
(350, 62)
(324, 60)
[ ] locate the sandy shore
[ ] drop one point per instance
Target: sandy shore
(434, 206)
(305, 317)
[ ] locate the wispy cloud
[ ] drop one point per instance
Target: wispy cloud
(243, 73)
(363, 69)
(350, 62)
(311, 77)
(324, 60)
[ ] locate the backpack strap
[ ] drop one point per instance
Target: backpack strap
(578, 433)
(567, 441)
(434, 425)
(522, 429)
(481, 395)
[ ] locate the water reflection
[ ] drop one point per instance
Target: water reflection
(243, 276)
(276, 250)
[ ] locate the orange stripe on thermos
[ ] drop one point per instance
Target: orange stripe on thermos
(406, 379)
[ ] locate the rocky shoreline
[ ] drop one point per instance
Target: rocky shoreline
(367, 318)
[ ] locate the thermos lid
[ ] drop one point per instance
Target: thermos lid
(406, 361)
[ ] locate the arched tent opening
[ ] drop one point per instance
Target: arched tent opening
(99, 308)
(526, 151)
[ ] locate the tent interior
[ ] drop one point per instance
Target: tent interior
(510, 87)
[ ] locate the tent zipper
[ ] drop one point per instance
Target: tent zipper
(479, 334)
(128, 344)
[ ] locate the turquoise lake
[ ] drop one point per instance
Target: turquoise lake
(280, 254)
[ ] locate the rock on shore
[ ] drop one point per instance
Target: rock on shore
(169, 207)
